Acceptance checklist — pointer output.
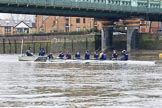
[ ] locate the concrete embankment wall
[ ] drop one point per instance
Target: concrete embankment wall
(73, 43)
(51, 43)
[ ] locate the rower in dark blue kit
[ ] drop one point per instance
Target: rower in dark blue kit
(50, 56)
(87, 55)
(61, 55)
(114, 55)
(103, 55)
(125, 55)
(77, 55)
(96, 56)
(68, 55)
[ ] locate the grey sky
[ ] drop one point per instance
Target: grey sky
(16, 16)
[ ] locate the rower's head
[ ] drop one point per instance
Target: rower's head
(29, 48)
(124, 51)
(104, 51)
(114, 51)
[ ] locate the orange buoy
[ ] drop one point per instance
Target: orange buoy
(160, 55)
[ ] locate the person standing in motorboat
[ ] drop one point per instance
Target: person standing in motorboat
(28, 52)
(42, 52)
(125, 55)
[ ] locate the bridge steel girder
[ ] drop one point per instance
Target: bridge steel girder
(60, 11)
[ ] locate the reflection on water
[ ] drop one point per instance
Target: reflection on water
(79, 85)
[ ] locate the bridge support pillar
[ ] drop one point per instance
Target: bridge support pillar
(132, 33)
(107, 35)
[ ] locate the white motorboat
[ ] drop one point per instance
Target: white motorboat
(24, 57)
(32, 58)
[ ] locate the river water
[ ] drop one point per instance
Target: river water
(79, 85)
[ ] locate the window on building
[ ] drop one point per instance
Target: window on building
(77, 28)
(22, 30)
(77, 20)
(66, 29)
(18, 30)
(7, 29)
(66, 25)
(26, 30)
(84, 20)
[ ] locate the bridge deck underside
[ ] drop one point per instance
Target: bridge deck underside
(72, 8)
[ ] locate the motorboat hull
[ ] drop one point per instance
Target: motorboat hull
(33, 58)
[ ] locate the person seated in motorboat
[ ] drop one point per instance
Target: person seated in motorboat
(50, 56)
(103, 55)
(114, 56)
(61, 55)
(28, 52)
(68, 55)
(125, 55)
(87, 55)
(96, 56)
(77, 55)
(42, 52)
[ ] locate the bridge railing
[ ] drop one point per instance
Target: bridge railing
(82, 5)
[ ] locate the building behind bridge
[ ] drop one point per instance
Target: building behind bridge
(64, 24)
(11, 27)
(50, 24)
